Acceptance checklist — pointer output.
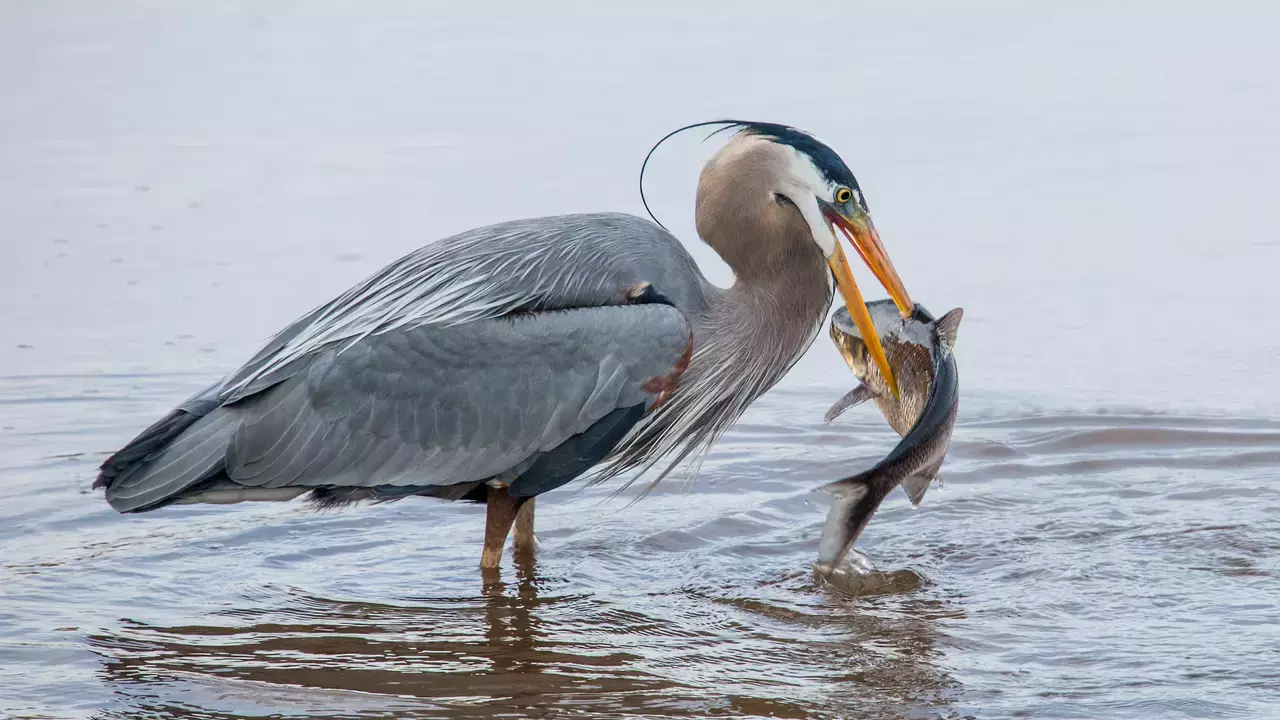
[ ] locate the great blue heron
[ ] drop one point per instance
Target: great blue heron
(503, 362)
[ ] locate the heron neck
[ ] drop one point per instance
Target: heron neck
(771, 314)
(746, 337)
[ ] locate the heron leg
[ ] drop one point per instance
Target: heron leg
(501, 511)
(525, 541)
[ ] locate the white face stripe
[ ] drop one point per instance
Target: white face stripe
(804, 184)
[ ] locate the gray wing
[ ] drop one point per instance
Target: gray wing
(539, 264)
(431, 406)
(549, 263)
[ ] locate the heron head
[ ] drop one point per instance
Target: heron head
(776, 170)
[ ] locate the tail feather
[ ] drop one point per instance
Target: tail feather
(189, 445)
(144, 447)
(152, 441)
(181, 450)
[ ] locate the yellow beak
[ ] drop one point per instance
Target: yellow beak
(866, 241)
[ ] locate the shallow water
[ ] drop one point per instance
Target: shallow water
(1070, 566)
(1092, 184)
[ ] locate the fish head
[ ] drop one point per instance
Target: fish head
(848, 341)
(912, 346)
(900, 337)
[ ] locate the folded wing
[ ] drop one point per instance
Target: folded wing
(544, 394)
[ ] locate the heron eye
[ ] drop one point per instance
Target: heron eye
(844, 195)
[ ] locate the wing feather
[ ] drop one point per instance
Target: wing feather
(196, 454)
(486, 273)
(443, 406)
(472, 355)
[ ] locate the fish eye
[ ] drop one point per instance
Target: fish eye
(843, 195)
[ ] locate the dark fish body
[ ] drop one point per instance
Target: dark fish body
(919, 351)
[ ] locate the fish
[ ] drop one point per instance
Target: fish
(919, 350)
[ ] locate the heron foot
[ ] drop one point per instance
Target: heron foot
(525, 542)
(501, 511)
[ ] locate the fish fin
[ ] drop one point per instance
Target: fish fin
(856, 500)
(947, 327)
(850, 489)
(856, 396)
(915, 487)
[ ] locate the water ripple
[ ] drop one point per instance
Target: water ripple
(1069, 564)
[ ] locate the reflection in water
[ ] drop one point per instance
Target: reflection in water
(514, 648)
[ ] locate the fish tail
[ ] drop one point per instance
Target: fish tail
(856, 499)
